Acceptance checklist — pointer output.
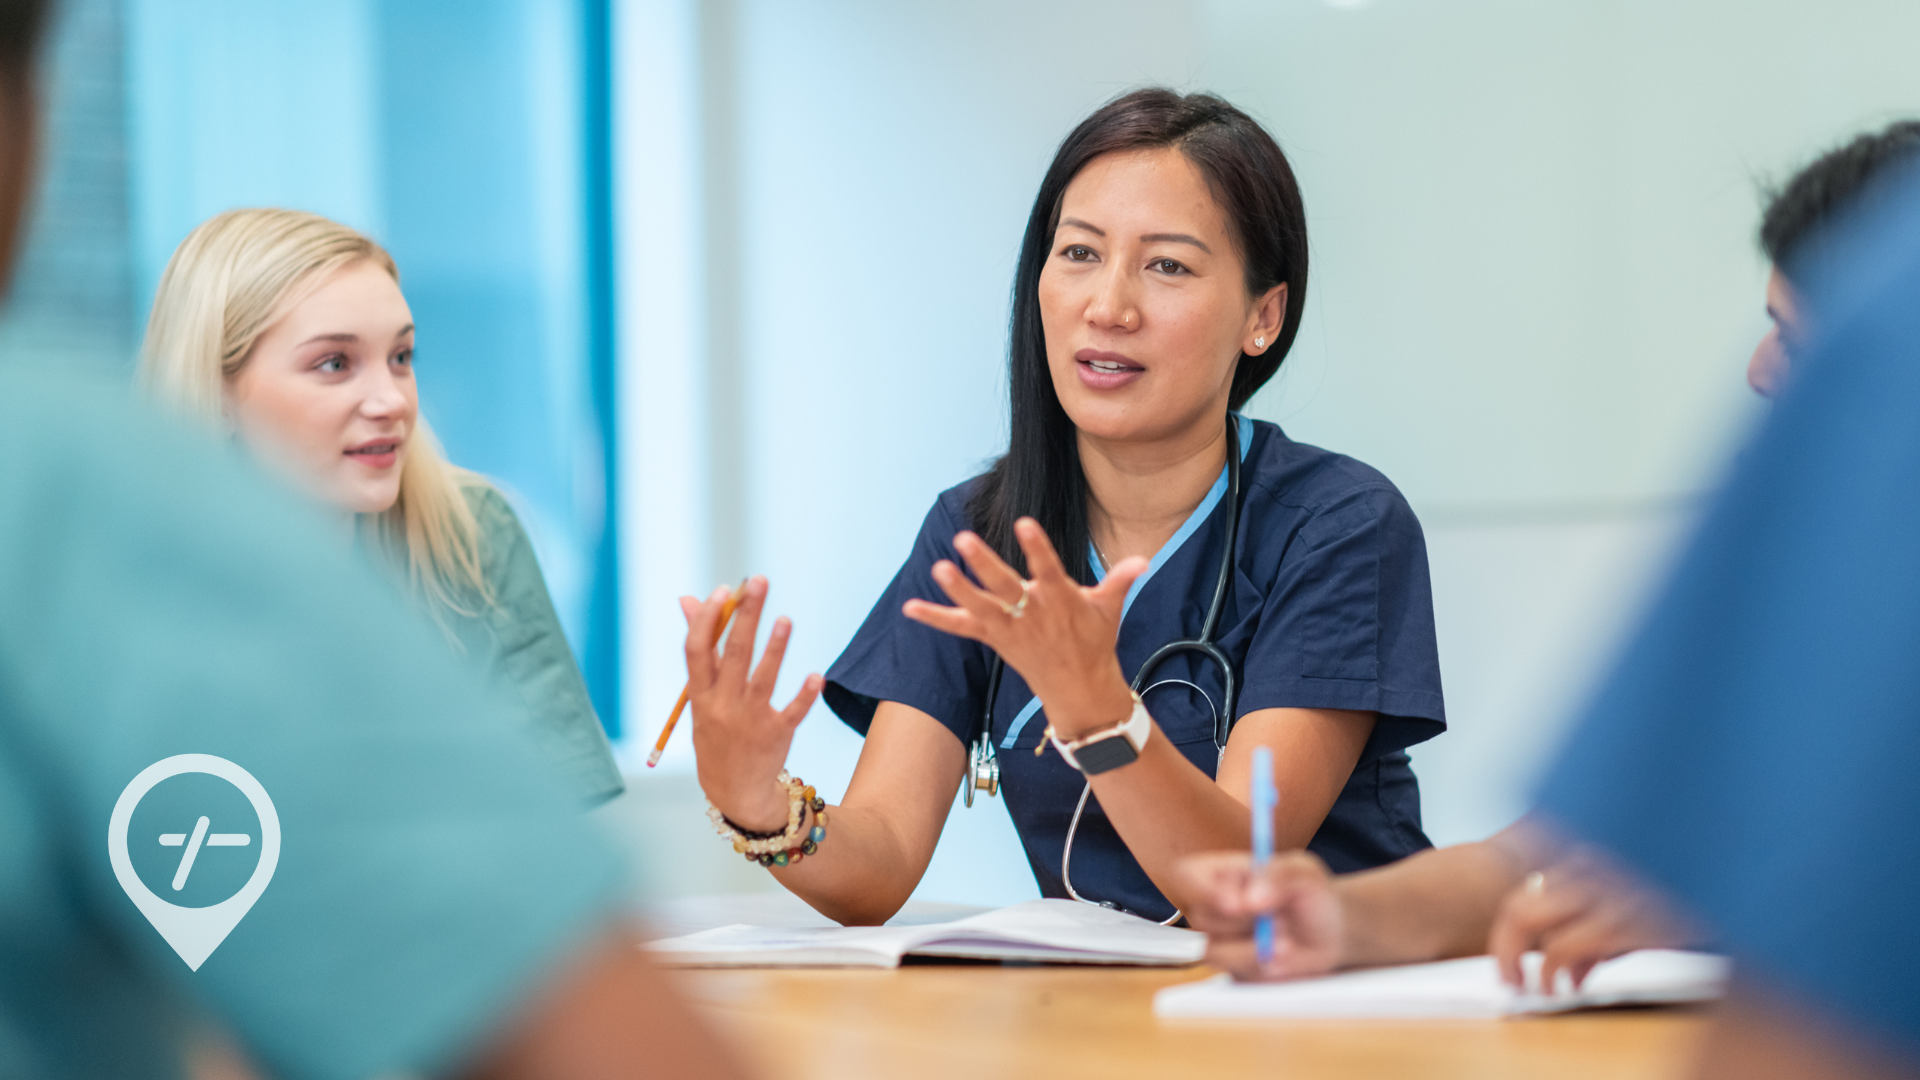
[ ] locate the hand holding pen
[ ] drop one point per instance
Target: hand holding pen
(1226, 898)
(686, 692)
(740, 739)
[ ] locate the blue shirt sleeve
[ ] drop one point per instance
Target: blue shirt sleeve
(161, 599)
(893, 658)
(1348, 621)
(1754, 751)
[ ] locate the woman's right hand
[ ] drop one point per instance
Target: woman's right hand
(1296, 889)
(740, 740)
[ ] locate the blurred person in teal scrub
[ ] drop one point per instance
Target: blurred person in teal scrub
(290, 332)
(435, 908)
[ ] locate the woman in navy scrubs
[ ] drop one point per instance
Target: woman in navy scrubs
(1160, 284)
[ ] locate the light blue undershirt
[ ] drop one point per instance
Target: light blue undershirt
(1167, 550)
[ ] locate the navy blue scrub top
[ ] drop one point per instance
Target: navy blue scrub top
(1330, 608)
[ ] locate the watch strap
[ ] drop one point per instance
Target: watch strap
(1109, 748)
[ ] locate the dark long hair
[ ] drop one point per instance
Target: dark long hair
(1040, 476)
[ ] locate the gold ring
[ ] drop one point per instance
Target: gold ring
(1536, 883)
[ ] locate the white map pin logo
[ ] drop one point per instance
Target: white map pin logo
(194, 932)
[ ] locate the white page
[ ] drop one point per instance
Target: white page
(1061, 931)
(1064, 930)
(1469, 988)
(779, 946)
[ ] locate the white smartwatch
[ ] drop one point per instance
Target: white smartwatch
(1108, 748)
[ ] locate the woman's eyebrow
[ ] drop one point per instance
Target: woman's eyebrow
(1078, 224)
(1175, 238)
(344, 337)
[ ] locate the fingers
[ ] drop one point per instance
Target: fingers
(1003, 581)
(964, 593)
(949, 620)
(1579, 944)
(689, 606)
(1224, 895)
(796, 709)
(1042, 561)
(1226, 892)
(1527, 914)
(760, 686)
(1110, 595)
(1508, 941)
(1561, 922)
(746, 627)
(701, 621)
(1238, 957)
(1214, 886)
(972, 605)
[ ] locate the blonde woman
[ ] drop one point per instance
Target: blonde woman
(290, 332)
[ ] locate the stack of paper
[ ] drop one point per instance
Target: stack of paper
(1046, 931)
(1452, 989)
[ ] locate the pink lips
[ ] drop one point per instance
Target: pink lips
(377, 453)
(1105, 370)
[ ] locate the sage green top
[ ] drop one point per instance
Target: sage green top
(517, 643)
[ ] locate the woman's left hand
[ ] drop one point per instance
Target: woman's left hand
(1057, 633)
(1581, 911)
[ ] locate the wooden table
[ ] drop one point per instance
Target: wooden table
(931, 1022)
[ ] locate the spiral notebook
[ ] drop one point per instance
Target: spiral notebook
(1470, 988)
(1039, 931)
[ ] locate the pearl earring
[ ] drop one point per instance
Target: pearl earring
(1259, 343)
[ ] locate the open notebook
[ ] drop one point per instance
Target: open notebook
(1451, 989)
(1047, 931)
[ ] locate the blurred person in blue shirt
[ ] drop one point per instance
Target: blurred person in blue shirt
(289, 331)
(1753, 754)
(432, 907)
(1477, 897)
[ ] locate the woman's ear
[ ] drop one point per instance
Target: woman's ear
(1268, 316)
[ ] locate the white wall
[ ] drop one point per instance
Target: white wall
(1533, 292)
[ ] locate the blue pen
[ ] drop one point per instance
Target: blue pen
(1264, 799)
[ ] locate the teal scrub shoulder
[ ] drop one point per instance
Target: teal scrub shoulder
(515, 636)
(163, 596)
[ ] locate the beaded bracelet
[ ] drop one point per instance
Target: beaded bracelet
(788, 846)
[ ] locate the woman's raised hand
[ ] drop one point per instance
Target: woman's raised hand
(1057, 633)
(740, 740)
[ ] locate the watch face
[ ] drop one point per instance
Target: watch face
(1106, 754)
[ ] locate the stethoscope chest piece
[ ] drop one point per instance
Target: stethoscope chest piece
(983, 771)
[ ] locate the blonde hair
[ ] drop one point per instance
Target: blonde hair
(231, 279)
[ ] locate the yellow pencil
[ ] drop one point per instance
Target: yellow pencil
(726, 616)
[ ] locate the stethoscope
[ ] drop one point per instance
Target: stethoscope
(983, 764)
